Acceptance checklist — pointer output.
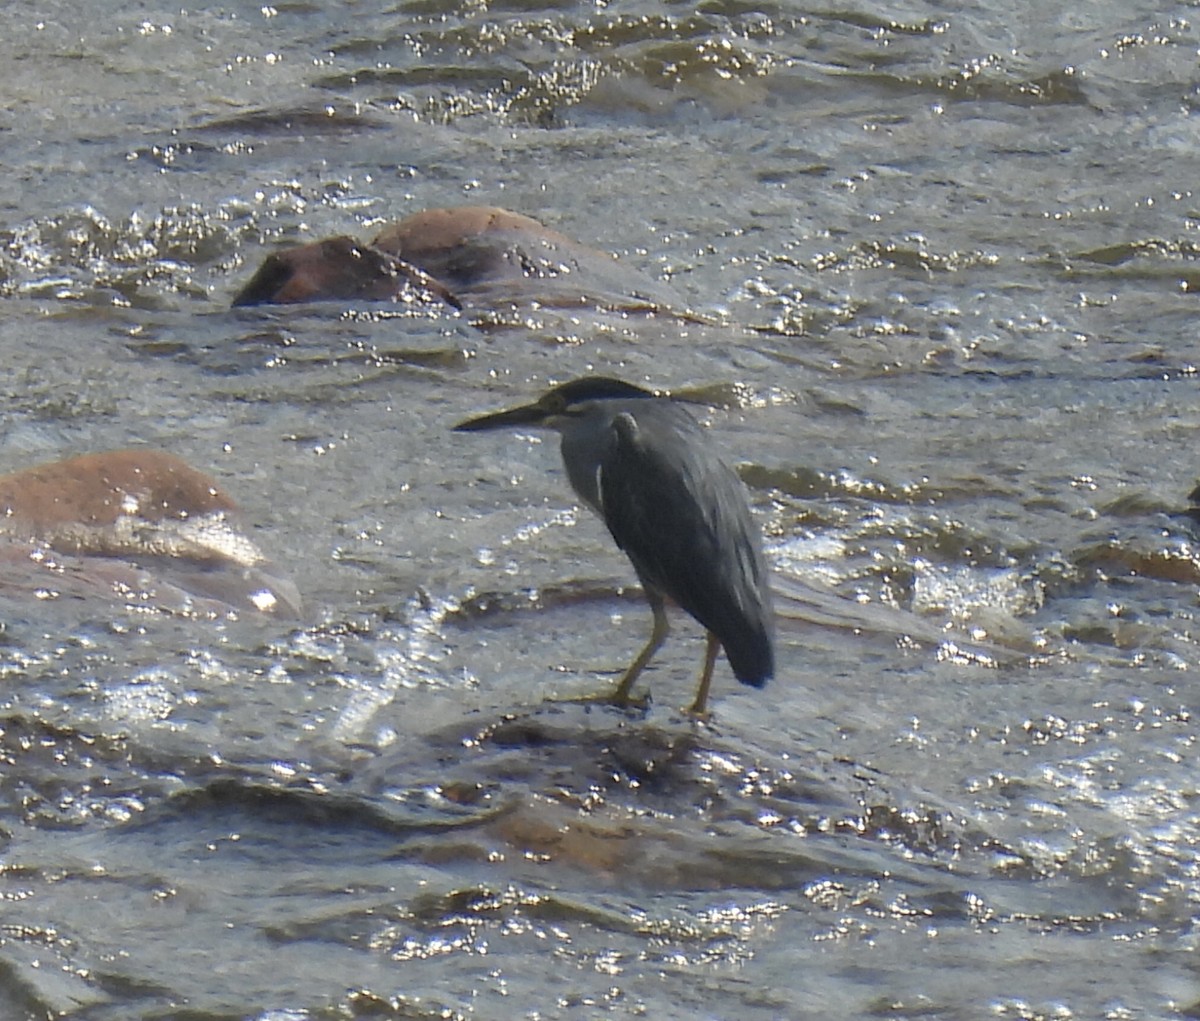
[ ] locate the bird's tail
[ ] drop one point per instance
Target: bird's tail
(751, 653)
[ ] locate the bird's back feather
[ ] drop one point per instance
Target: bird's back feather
(680, 514)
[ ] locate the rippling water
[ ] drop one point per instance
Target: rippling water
(942, 260)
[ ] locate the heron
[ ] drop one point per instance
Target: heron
(680, 513)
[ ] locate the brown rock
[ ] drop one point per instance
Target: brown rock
(456, 255)
(145, 509)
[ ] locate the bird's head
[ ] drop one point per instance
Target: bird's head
(558, 404)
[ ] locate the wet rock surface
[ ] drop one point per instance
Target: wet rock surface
(133, 525)
(464, 255)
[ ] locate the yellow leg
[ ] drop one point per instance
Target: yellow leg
(658, 635)
(710, 658)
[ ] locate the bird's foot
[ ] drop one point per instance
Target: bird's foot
(608, 697)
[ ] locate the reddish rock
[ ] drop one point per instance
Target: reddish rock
(133, 522)
(462, 255)
(335, 268)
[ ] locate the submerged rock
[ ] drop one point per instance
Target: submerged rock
(465, 255)
(336, 268)
(140, 525)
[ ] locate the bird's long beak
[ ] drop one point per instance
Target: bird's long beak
(526, 414)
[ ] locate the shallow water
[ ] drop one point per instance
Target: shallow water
(944, 259)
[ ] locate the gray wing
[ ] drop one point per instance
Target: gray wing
(680, 514)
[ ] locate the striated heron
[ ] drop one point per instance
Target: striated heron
(646, 466)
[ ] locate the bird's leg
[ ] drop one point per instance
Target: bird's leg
(697, 708)
(658, 635)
